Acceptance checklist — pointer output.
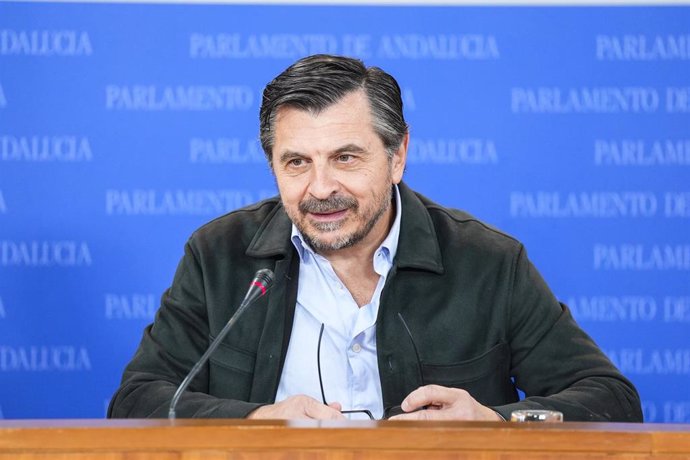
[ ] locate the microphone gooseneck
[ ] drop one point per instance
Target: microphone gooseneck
(263, 280)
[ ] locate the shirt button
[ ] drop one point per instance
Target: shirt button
(356, 348)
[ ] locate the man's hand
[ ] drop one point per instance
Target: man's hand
(443, 404)
(298, 407)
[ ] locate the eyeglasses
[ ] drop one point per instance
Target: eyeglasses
(389, 411)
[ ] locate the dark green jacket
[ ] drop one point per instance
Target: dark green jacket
(480, 315)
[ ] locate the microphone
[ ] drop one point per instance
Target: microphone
(263, 280)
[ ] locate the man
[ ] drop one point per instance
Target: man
(383, 299)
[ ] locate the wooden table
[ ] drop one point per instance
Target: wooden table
(253, 439)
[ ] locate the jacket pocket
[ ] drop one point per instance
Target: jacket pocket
(231, 372)
(233, 358)
(486, 377)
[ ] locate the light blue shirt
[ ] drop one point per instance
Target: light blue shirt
(349, 365)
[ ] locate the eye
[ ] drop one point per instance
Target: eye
(295, 162)
(345, 157)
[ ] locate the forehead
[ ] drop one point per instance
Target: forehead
(347, 121)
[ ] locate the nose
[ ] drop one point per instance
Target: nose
(323, 182)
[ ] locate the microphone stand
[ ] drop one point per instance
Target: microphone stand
(197, 367)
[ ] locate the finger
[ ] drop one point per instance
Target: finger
(418, 415)
(428, 395)
(319, 411)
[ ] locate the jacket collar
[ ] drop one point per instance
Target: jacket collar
(273, 237)
(418, 246)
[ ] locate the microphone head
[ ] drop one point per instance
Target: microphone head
(263, 279)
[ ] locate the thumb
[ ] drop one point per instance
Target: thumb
(335, 405)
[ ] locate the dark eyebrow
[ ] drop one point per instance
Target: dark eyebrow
(289, 155)
(354, 148)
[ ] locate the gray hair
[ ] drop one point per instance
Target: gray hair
(316, 82)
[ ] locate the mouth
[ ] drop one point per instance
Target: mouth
(328, 216)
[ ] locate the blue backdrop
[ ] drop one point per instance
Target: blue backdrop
(123, 127)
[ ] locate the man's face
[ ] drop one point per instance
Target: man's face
(334, 175)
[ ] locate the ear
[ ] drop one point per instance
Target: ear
(399, 159)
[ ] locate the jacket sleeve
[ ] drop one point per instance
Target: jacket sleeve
(555, 363)
(168, 350)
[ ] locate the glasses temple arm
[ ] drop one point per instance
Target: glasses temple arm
(318, 364)
(414, 346)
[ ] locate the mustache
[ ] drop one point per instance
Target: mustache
(330, 204)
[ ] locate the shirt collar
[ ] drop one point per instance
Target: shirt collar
(389, 246)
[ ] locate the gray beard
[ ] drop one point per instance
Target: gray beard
(336, 203)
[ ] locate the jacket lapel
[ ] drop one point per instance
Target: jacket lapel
(272, 240)
(418, 250)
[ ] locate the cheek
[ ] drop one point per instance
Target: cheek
(290, 193)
